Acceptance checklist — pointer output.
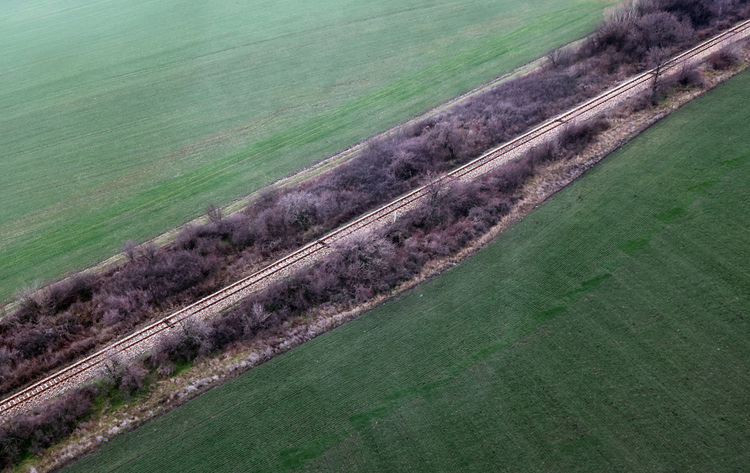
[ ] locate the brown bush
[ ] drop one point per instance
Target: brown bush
(724, 59)
(53, 326)
(192, 339)
(690, 76)
(132, 379)
(70, 318)
(33, 432)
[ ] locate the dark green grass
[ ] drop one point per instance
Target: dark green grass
(122, 119)
(607, 331)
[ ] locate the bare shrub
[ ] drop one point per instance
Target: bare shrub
(724, 59)
(241, 323)
(463, 198)
(148, 251)
(690, 76)
(636, 27)
(8, 356)
(553, 57)
(29, 307)
(190, 340)
(34, 341)
(575, 138)
(121, 309)
(613, 35)
(698, 12)
(257, 316)
(214, 213)
(721, 7)
(61, 295)
(541, 154)
(368, 260)
(167, 275)
(112, 370)
(240, 233)
(405, 167)
(129, 249)
(32, 433)
(299, 209)
(512, 175)
(659, 30)
(211, 240)
(53, 326)
(132, 379)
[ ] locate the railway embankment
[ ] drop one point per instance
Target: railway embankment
(136, 344)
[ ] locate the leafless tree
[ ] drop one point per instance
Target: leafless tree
(553, 56)
(112, 369)
(656, 57)
(214, 213)
(129, 249)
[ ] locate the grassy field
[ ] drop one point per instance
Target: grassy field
(122, 119)
(607, 331)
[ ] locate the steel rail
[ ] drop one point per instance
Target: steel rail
(500, 155)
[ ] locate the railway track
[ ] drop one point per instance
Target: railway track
(141, 341)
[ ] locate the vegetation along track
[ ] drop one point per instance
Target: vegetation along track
(143, 340)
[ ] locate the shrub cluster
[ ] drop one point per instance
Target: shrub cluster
(29, 434)
(70, 318)
(724, 59)
(637, 28)
(366, 265)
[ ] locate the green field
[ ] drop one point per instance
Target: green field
(122, 119)
(607, 331)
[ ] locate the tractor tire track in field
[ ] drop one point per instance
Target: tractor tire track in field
(140, 342)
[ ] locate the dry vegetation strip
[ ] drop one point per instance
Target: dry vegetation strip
(419, 235)
(208, 371)
(70, 319)
(135, 345)
(604, 333)
(181, 105)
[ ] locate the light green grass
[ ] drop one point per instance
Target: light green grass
(122, 119)
(607, 331)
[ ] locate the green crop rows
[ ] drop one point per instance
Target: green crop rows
(607, 331)
(122, 119)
